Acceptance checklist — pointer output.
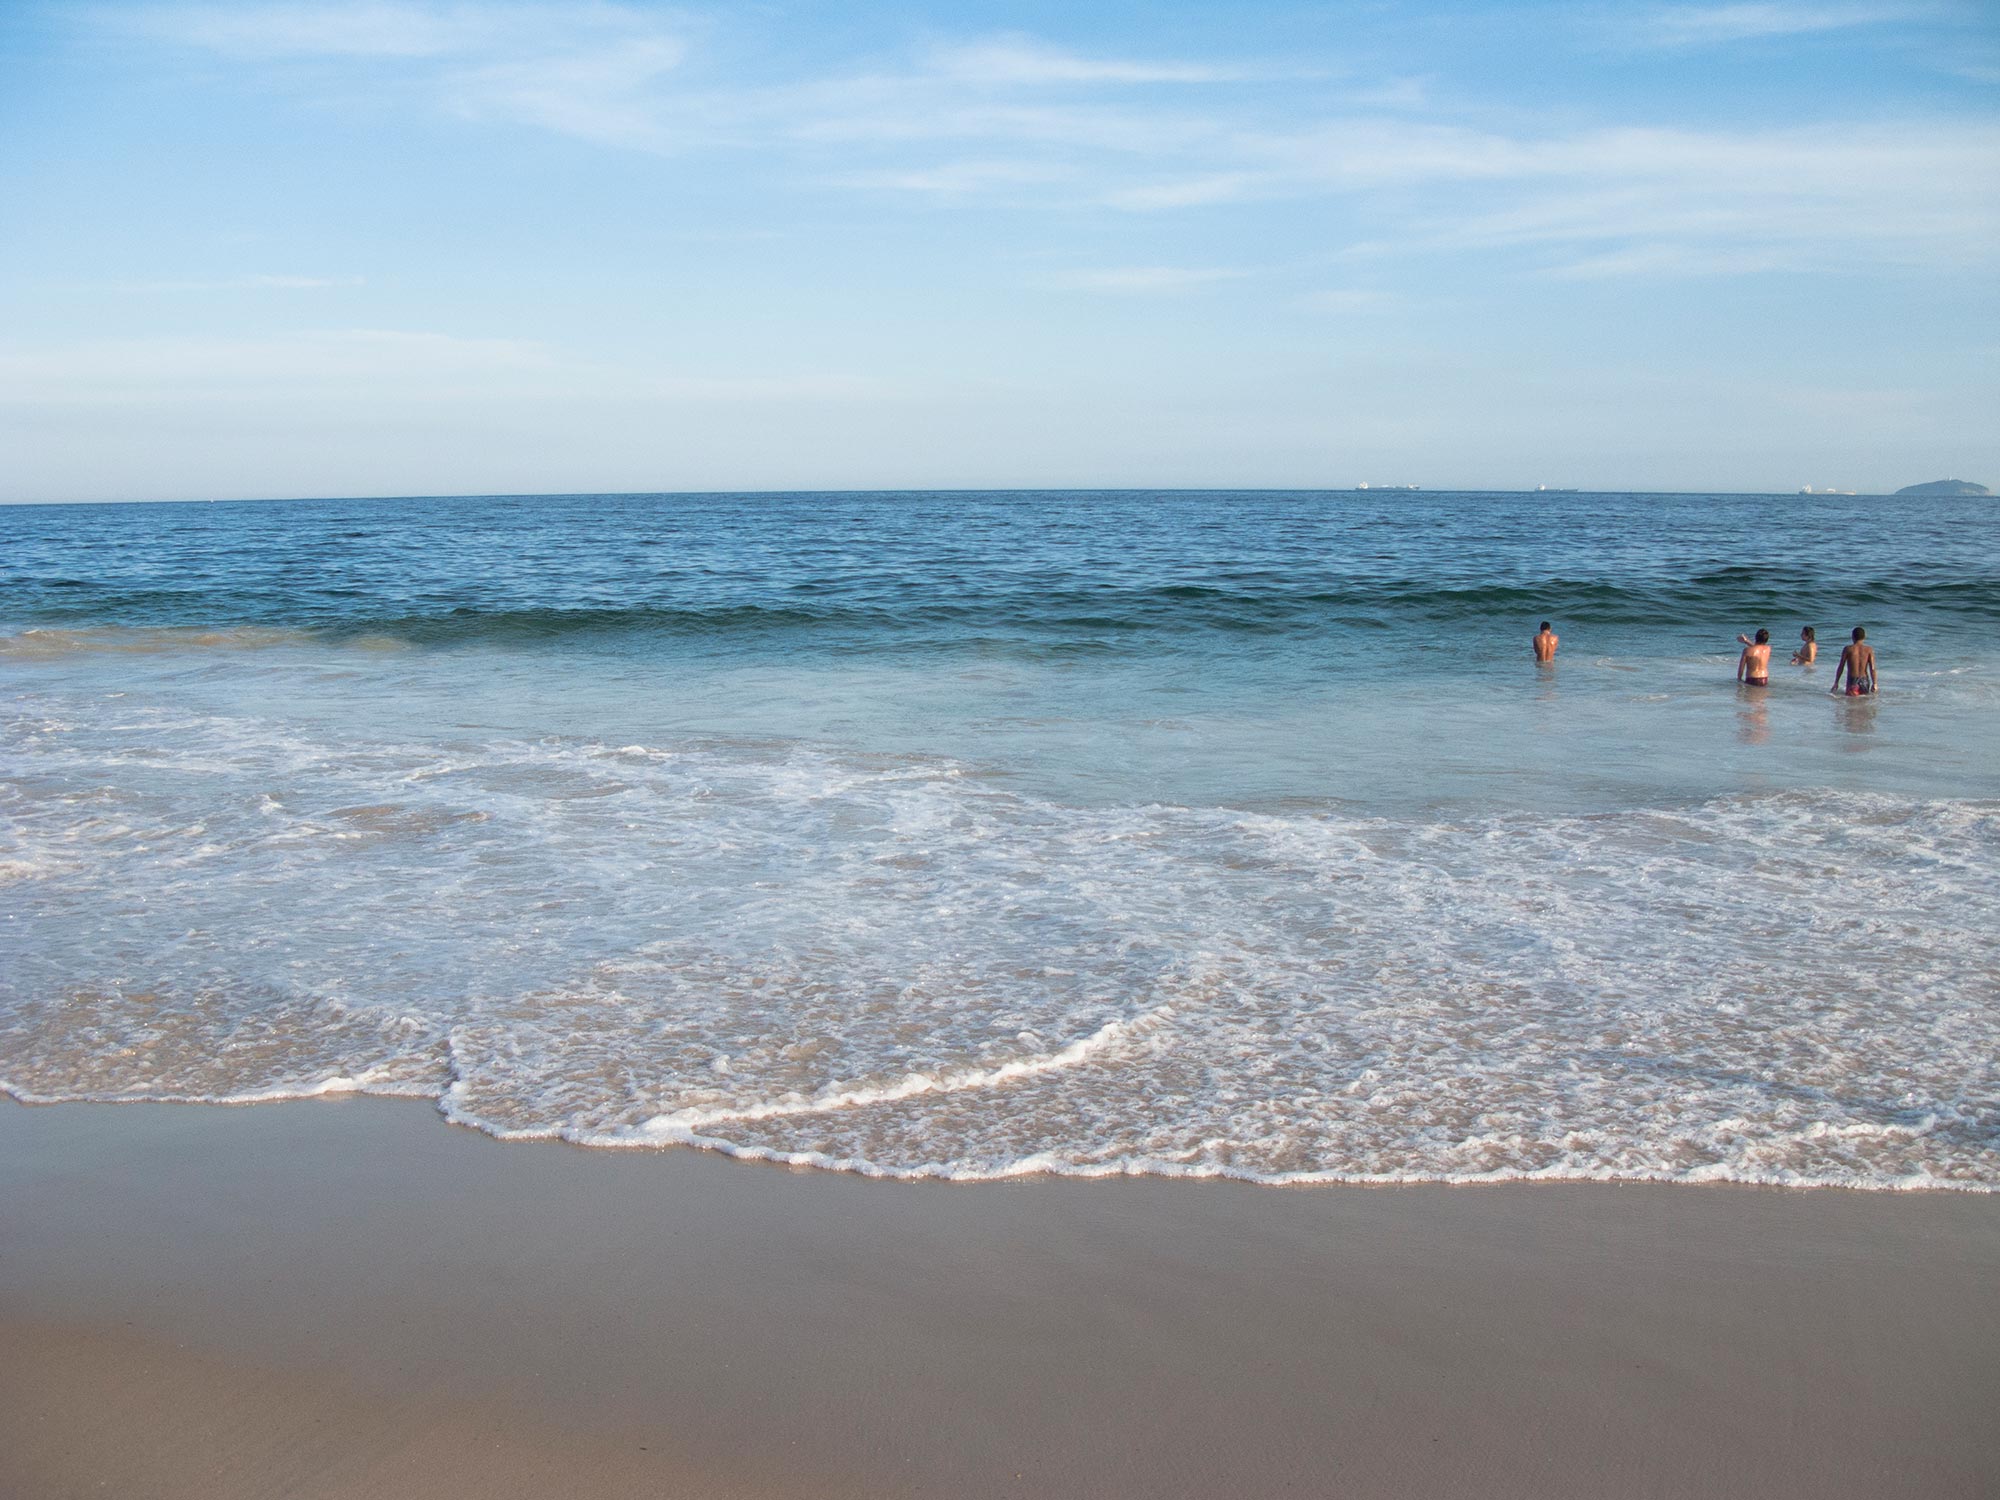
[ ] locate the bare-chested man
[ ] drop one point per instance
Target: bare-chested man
(1753, 667)
(1546, 642)
(1857, 664)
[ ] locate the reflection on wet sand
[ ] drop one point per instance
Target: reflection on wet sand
(1856, 716)
(1753, 715)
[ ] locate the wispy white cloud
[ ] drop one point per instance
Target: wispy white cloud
(1628, 201)
(956, 178)
(1677, 260)
(1350, 300)
(1144, 281)
(1974, 58)
(1714, 25)
(121, 370)
(381, 30)
(1646, 201)
(588, 70)
(388, 29)
(780, 388)
(918, 110)
(274, 283)
(607, 72)
(1023, 60)
(1017, 120)
(1197, 191)
(408, 365)
(1397, 93)
(304, 283)
(602, 95)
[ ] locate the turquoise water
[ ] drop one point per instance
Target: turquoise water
(973, 834)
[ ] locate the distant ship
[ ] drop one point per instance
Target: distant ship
(1809, 490)
(1550, 489)
(1398, 487)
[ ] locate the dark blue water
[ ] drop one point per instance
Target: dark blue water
(1029, 573)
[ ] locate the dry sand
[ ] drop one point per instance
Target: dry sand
(350, 1298)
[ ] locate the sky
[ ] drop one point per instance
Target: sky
(403, 247)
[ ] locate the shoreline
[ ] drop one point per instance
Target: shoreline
(338, 1297)
(647, 1140)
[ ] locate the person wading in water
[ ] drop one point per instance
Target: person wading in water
(1753, 667)
(1857, 662)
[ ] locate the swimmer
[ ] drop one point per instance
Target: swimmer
(1753, 667)
(1808, 651)
(1857, 663)
(1546, 642)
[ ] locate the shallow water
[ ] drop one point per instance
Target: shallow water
(970, 835)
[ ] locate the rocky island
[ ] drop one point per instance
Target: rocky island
(1945, 487)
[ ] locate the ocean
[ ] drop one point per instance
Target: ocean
(969, 835)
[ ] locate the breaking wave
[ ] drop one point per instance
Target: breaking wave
(894, 966)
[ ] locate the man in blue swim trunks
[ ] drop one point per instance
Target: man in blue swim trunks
(1857, 665)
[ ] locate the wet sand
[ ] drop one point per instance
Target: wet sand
(350, 1298)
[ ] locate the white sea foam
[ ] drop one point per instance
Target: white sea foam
(887, 965)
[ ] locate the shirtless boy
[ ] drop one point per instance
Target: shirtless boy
(1753, 667)
(1857, 663)
(1546, 642)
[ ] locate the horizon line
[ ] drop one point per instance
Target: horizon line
(1105, 489)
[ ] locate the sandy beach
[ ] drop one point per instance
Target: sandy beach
(349, 1298)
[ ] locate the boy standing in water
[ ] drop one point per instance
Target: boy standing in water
(1858, 663)
(1753, 667)
(1546, 642)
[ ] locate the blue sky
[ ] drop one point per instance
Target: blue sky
(384, 248)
